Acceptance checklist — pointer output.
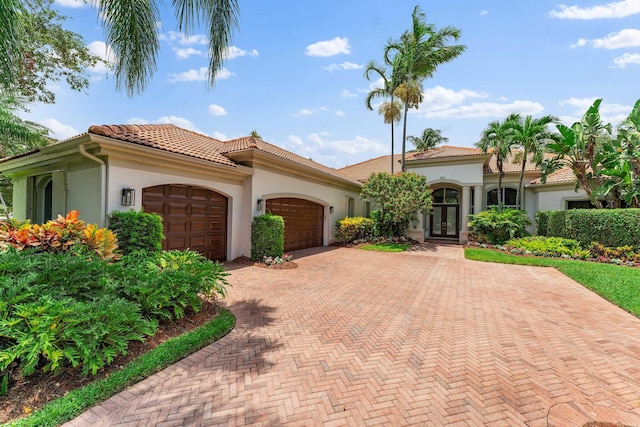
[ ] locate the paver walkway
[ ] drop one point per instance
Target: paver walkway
(353, 337)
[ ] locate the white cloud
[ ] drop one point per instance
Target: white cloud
(440, 98)
(346, 94)
(309, 111)
(484, 12)
(610, 113)
(344, 66)
(216, 110)
(626, 59)
(106, 55)
(618, 9)
(331, 47)
(59, 130)
(181, 39)
(378, 84)
(173, 120)
(235, 52)
(487, 109)
(199, 75)
(219, 135)
(321, 148)
(70, 3)
(185, 53)
(340, 113)
(624, 38)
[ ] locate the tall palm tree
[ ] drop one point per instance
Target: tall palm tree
(428, 140)
(390, 109)
(532, 136)
(417, 55)
(496, 141)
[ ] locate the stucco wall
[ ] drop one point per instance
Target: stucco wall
(556, 197)
(467, 173)
(136, 176)
(268, 184)
(83, 181)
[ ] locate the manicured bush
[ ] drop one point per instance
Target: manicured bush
(547, 246)
(267, 237)
(496, 226)
(349, 229)
(137, 231)
(610, 227)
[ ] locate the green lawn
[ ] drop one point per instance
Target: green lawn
(618, 284)
(386, 247)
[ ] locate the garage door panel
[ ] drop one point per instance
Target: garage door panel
(303, 221)
(193, 218)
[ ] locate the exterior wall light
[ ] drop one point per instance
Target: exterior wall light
(259, 205)
(128, 197)
(330, 209)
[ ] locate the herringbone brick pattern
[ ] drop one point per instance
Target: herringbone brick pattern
(424, 338)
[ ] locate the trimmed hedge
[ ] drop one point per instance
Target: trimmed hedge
(267, 237)
(610, 227)
(137, 231)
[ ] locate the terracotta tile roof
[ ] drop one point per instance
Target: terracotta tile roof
(250, 142)
(361, 171)
(168, 138)
(444, 151)
(561, 175)
(510, 165)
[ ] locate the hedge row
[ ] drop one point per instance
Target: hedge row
(610, 227)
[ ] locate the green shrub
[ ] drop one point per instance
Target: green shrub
(496, 227)
(542, 223)
(386, 227)
(548, 246)
(267, 237)
(349, 229)
(163, 284)
(610, 227)
(137, 231)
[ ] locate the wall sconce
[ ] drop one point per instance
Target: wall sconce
(128, 197)
(330, 209)
(259, 205)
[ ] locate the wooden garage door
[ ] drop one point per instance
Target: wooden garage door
(193, 218)
(303, 222)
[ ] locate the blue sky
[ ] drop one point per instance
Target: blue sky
(295, 72)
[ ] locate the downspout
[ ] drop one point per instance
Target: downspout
(103, 172)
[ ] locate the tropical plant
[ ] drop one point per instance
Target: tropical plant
(41, 51)
(496, 226)
(416, 57)
(137, 231)
(398, 198)
(349, 229)
(580, 148)
(496, 141)
(428, 140)
(390, 109)
(532, 136)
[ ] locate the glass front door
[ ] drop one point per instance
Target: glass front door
(444, 221)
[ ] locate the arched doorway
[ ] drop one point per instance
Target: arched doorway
(445, 218)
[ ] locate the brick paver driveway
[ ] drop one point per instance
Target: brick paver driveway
(425, 338)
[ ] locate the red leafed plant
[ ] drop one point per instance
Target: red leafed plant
(58, 235)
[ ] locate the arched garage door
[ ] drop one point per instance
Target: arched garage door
(303, 222)
(192, 217)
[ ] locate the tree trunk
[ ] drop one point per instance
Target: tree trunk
(392, 148)
(500, 175)
(520, 195)
(404, 133)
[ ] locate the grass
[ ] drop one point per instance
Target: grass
(386, 247)
(617, 284)
(167, 353)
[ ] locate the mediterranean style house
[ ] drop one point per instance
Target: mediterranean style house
(465, 181)
(208, 191)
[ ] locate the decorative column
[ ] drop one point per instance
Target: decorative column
(477, 198)
(465, 209)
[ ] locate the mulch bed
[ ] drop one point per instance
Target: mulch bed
(247, 261)
(34, 391)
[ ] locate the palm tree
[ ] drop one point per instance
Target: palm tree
(18, 136)
(390, 109)
(496, 141)
(428, 140)
(532, 136)
(11, 35)
(417, 55)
